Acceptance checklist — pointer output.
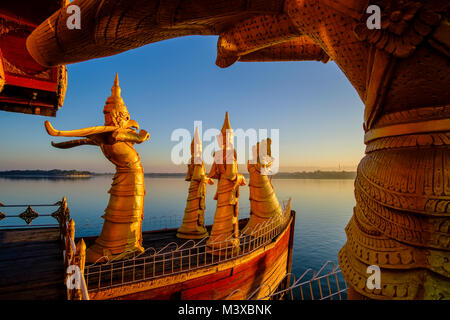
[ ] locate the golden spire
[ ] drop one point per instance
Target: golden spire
(226, 125)
(115, 90)
(115, 101)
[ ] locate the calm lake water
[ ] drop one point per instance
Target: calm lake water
(323, 208)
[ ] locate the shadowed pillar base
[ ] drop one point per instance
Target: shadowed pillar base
(401, 221)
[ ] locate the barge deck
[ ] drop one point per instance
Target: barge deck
(31, 264)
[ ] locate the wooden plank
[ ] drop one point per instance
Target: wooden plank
(31, 264)
(35, 262)
(16, 236)
(33, 284)
(30, 245)
(29, 251)
(48, 292)
(43, 270)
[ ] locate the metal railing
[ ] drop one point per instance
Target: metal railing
(29, 214)
(86, 227)
(191, 255)
(326, 284)
(91, 227)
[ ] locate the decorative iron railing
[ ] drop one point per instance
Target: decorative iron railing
(326, 284)
(174, 259)
(92, 227)
(29, 214)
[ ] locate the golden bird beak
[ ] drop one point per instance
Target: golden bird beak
(132, 124)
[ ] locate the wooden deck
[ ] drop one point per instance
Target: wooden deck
(31, 264)
(32, 268)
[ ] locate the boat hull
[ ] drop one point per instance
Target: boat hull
(238, 278)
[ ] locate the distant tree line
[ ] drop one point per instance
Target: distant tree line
(281, 175)
(45, 173)
(316, 175)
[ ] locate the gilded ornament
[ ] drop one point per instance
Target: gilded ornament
(28, 215)
(121, 235)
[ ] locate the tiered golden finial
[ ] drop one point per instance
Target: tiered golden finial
(115, 101)
(225, 230)
(264, 204)
(193, 226)
(122, 229)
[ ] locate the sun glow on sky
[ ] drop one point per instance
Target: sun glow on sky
(171, 84)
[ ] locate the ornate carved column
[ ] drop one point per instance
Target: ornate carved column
(401, 220)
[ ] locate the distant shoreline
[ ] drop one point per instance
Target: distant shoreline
(75, 174)
(55, 173)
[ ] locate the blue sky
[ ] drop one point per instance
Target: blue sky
(170, 84)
